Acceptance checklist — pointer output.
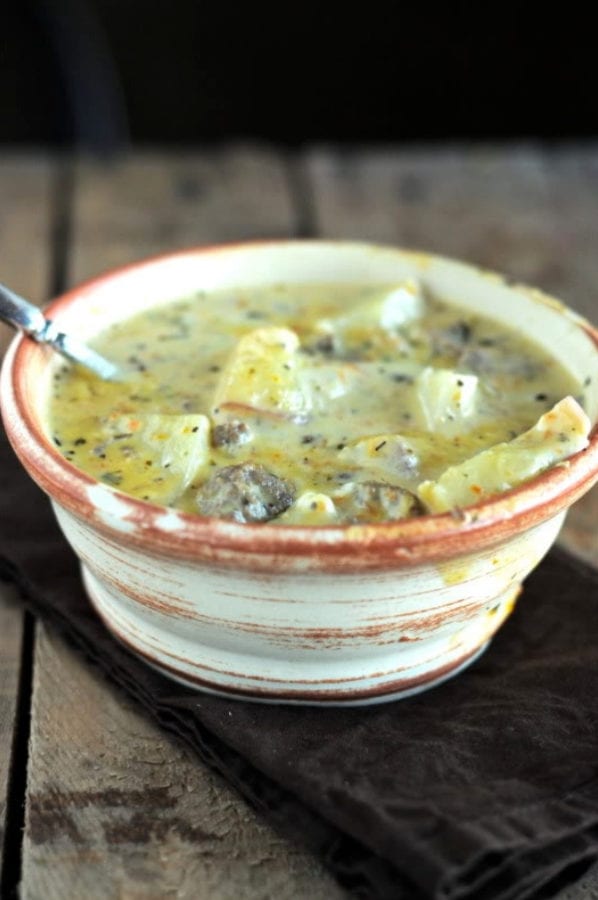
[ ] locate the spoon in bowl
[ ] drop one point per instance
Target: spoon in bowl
(28, 318)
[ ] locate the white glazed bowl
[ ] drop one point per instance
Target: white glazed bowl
(336, 614)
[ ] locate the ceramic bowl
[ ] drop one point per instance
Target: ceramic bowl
(350, 614)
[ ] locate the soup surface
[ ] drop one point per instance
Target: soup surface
(316, 404)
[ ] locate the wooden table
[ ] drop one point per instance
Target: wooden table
(95, 802)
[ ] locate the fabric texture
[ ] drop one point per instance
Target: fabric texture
(484, 788)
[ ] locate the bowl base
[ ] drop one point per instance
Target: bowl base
(396, 685)
(305, 700)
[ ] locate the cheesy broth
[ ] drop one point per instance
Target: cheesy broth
(317, 404)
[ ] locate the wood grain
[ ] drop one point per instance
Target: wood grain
(114, 807)
(25, 210)
(529, 213)
(26, 191)
(584, 889)
(128, 209)
(11, 635)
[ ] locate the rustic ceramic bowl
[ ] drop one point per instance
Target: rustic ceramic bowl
(347, 614)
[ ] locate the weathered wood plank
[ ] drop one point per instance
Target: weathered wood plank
(11, 636)
(128, 210)
(585, 889)
(115, 808)
(25, 193)
(530, 213)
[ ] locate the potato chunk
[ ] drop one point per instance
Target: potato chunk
(266, 374)
(311, 508)
(262, 374)
(396, 308)
(556, 435)
(388, 456)
(180, 444)
(445, 399)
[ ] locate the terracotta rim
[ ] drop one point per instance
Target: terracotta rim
(361, 546)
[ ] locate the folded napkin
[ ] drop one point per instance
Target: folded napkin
(485, 787)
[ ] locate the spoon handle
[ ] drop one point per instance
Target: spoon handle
(28, 318)
(20, 313)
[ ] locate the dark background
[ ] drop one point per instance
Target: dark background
(102, 72)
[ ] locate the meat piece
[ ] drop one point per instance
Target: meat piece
(451, 341)
(245, 493)
(325, 345)
(230, 433)
(376, 501)
(497, 361)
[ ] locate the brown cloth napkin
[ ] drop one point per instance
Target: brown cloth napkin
(484, 788)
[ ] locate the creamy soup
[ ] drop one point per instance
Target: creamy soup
(317, 404)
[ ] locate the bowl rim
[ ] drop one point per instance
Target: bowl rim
(358, 546)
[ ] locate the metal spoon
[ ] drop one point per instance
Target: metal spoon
(29, 319)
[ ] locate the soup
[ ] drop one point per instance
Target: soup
(317, 404)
